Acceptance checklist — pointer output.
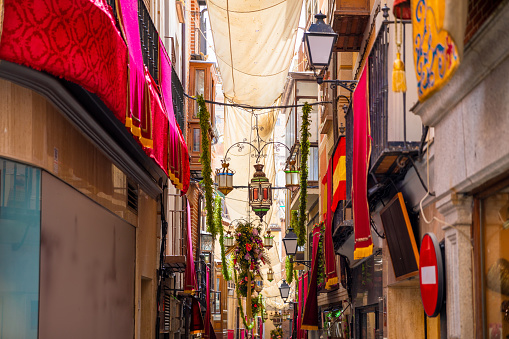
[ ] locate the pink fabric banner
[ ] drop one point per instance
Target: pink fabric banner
(361, 153)
(72, 39)
(190, 282)
(310, 314)
(207, 311)
(331, 277)
(130, 25)
(299, 307)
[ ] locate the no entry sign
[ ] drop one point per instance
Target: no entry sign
(431, 275)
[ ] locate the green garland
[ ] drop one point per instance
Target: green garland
(304, 144)
(296, 286)
(204, 116)
(249, 327)
(321, 256)
(218, 225)
(300, 232)
(289, 270)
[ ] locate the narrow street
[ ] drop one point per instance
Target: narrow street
(240, 169)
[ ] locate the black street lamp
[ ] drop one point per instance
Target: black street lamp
(284, 290)
(290, 242)
(319, 43)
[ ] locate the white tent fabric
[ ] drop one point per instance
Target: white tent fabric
(254, 45)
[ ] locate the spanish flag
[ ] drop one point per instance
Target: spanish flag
(339, 174)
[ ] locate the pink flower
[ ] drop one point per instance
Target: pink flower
(255, 231)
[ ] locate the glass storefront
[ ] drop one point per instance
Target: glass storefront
(495, 253)
(20, 215)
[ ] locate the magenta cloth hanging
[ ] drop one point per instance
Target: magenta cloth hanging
(310, 314)
(130, 26)
(361, 153)
(190, 282)
(207, 310)
(331, 276)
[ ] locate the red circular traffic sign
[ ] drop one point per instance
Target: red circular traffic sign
(431, 275)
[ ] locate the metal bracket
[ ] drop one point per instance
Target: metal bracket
(346, 84)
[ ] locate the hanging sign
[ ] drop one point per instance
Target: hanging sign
(431, 275)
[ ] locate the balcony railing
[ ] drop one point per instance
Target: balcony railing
(391, 143)
(177, 92)
(149, 41)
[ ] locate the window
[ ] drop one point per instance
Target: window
(494, 262)
(199, 85)
(196, 140)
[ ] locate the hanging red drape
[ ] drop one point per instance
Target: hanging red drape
(361, 153)
(339, 173)
(310, 314)
(402, 10)
(190, 282)
(331, 277)
(196, 325)
(299, 307)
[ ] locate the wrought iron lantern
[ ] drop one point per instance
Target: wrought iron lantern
(260, 192)
(206, 242)
(258, 283)
(270, 275)
(292, 176)
(290, 242)
(319, 41)
(284, 290)
(224, 178)
(229, 240)
(268, 240)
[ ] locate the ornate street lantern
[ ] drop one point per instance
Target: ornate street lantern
(260, 192)
(292, 176)
(229, 240)
(268, 240)
(284, 290)
(319, 41)
(258, 283)
(290, 242)
(224, 178)
(270, 275)
(206, 242)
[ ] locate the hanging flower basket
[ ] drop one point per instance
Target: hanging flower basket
(229, 240)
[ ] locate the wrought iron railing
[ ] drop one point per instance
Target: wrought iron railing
(378, 92)
(149, 41)
(177, 93)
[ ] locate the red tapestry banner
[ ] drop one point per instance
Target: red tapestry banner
(299, 307)
(339, 173)
(361, 153)
(331, 276)
(190, 282)
(310, 314)
(72, 39)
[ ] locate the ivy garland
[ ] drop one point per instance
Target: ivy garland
(248, 326)
(204, 116)
(321, 257)
(289, 270)
(304, 144)
(218, 225)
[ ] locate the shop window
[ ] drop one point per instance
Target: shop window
(494, 262)
(366, 322)
(199, 83)
(20, 229)
(196, 140)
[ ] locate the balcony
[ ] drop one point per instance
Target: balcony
(349, 21)
(313, 175)
(395, 131)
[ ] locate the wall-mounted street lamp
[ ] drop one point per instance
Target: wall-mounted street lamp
(319, 43)
(290, 243)
(284, 290)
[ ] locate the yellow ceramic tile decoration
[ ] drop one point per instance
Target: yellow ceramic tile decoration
(435, 54)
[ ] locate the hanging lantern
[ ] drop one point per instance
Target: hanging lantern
(258, 283)
(229, 240)
(260, 192)
(268, 240)
(270, 275)
(292, 176)
(224, 178)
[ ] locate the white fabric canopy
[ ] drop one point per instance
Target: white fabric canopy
(254, 45)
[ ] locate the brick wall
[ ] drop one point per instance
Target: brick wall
(478, 12)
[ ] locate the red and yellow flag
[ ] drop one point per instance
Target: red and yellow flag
(339, 174)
